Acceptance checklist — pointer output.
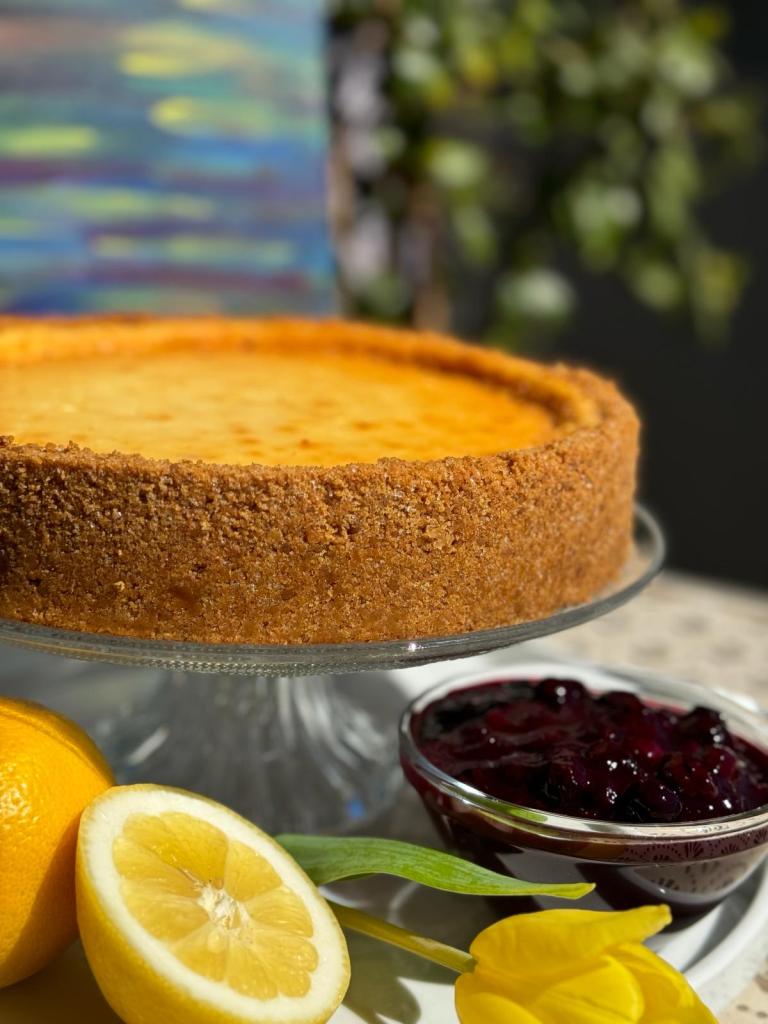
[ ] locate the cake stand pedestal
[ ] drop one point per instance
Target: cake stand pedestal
(296, 738)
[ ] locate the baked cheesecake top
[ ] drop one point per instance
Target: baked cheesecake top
(272, 395)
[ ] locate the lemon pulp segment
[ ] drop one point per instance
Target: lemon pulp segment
(219, 907)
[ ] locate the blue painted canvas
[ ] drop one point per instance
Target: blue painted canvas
(164, 155)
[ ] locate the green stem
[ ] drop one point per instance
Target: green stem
(358, 921)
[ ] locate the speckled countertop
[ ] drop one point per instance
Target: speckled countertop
(683, 626)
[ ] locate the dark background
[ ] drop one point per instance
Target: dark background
(705, 409)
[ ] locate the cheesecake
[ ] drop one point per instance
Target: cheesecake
(286, 481)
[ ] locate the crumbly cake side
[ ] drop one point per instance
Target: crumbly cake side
(195, 551)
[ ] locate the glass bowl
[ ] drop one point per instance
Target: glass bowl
(690, 866)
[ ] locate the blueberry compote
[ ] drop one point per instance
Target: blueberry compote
(552, 745)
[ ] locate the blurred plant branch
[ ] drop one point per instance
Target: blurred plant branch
(482, 145)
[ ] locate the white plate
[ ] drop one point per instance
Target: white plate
(390, 986)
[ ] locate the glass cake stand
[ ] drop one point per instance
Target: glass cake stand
(283, 733)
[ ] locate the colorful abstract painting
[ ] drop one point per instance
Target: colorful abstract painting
(164, 155)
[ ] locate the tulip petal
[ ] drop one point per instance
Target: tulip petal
(543, 943)
(477, 1004)
(603, 993)
(668, 996)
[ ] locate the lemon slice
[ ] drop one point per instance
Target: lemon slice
(188, 913)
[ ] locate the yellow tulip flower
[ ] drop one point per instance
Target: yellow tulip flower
(557, 967)
(579, 966)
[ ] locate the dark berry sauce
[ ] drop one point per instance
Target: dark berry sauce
(552, 745)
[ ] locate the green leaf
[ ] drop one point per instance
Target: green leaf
(656, 282)
(454, 164)
(475, 232)
(329, 859)
(536, 294)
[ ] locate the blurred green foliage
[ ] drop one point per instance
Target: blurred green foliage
(484, 145)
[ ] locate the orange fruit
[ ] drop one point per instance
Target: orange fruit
(49, 773)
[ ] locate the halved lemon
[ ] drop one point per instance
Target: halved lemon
(189, 913)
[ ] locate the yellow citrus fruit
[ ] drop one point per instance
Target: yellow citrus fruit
(49, 772)
(189, 913)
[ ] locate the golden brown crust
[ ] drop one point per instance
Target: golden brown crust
(193, 551)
